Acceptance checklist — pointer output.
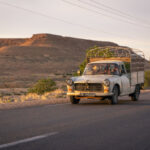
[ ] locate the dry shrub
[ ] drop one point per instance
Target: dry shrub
(52, 96)
(43, 86)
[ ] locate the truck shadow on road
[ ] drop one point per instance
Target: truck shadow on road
(120, 102)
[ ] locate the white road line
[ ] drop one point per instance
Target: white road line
(27, 140)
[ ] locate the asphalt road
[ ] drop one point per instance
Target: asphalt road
(92, 125)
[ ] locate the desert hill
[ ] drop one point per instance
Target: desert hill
(44, 53)
(23, 61)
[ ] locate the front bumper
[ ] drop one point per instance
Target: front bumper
(88, 94)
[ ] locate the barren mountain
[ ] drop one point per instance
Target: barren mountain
(23, 61)
(26, 60)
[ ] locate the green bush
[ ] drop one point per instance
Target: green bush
(42, 86)
(147, 79)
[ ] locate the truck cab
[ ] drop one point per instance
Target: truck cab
(107, 78)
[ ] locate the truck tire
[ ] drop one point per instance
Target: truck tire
(114, 98)
(135, 95)
(73, 100)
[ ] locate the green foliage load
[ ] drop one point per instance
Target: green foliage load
(99, 52)
(95, 52)
(82, 66)
(42, 86)
(147, 79)
(127, 65)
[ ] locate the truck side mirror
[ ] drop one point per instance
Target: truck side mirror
(122, 72)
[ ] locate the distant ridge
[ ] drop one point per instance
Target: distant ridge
(46, 39)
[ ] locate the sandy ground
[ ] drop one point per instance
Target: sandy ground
(31, 103)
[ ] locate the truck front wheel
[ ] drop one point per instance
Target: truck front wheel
(73, 100)
(135, 95)
(114, 98)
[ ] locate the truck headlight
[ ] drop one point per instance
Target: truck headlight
(106, 82)
(69, 82)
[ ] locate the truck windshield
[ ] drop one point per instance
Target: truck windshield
(101, 68)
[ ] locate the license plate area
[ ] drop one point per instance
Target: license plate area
(87, 94)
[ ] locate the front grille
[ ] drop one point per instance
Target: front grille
(92, 87)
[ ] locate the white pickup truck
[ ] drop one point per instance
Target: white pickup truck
(109, 77)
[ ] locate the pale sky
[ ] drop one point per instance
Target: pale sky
(126, 22)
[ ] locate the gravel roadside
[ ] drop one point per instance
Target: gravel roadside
(31, 103)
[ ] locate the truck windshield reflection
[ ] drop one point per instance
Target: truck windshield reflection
(101, 69)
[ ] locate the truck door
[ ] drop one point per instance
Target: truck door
(125, 81)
